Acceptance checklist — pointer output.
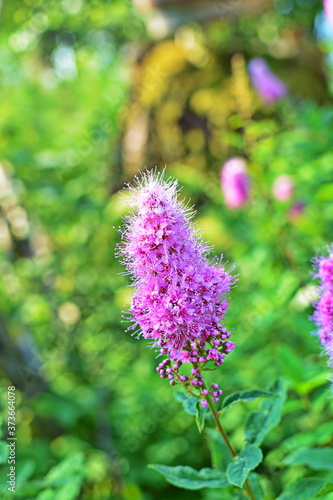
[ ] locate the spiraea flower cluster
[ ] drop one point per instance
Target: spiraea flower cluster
(323, 315)
(179, 298)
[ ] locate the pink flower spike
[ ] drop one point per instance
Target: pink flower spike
(323, 314)
(179, 298)
(325, 270)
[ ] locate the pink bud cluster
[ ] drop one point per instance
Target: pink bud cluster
(179, 297)
(323, 315)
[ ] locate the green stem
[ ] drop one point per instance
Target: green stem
(219, 426)
(227, 442)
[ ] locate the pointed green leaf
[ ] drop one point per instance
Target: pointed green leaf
(322, 433)
(200, 416)
(256, 488)
(71, 491)
(248, 459)
(46, 495)
(307, 489)
(189, 402)
(192, 406)
(221, 456)
(191, 479)
(25, 471)
(260, 423)
(311, 384)
(327, 488)
(31, 488)
(249, 395)
(315, 458)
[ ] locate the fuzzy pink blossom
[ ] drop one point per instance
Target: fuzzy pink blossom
(179, 296)
(283, 188)
(323, 314)
(235, 182)
(325, 271)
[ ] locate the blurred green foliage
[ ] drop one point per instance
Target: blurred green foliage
(88, 98)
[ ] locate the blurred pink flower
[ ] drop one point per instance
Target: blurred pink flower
(283, 188)
(296, 209)
(235, 182)
(328, 9)
(268, 86)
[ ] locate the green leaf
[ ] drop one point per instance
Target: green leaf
(248, 459)
(46, 495)
(192, 406)
(221, 456)
(256, 486)
(249, 395)
(325, 192)
(327, 488)
(31, 488)
(4, 452)
(72, 464)
(315, 458)
(190, 479)
(320, 434)
(307, 489)
(260, 423)
(291, 364)
(25, 471)
(70, 491)
(189, 402)
(200, 416)
(311, 384)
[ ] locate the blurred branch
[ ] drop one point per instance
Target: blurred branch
(190, 120)
(106, 443)
(15, 217)
(131, 148)
(116, 177)
(19, 363)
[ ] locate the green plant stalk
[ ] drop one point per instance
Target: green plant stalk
(248, 490)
